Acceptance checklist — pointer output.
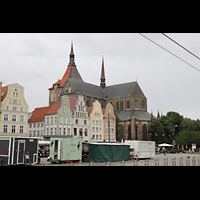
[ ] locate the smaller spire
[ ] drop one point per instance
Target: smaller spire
(158, 115)
(103, 79)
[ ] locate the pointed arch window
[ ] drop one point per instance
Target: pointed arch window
(128, 104)
(122, 105)
(143, 104)
(136, 104)
(117, 105)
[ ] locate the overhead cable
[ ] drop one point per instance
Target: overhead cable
(170, 52)
(180, 45)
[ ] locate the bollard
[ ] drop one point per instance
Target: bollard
(181, 161)
(156, 162)
(173, 161)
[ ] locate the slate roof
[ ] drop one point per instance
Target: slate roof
(123, 90)
(86, 89)
(140, 115)
(3, 92)
(71, 72)
(109, 92)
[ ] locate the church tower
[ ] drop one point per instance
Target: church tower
(72, 72)
(103, 79)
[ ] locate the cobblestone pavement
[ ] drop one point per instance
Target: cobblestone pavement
(159, 160)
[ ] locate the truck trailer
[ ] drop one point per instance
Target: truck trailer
(18, 150)
(65, 149)
(141, 149)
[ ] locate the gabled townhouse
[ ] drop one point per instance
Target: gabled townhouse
(96, 122)
(13, 111)
(65, 118)
(109, 123)
(36, 123)
(81, 120)
(58, 119)
(102, 123)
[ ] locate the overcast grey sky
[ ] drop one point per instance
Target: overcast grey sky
(37, 60)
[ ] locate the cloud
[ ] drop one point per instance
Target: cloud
(37, 60)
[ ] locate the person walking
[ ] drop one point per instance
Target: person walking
(164, 150)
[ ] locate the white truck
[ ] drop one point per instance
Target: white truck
(141, 149)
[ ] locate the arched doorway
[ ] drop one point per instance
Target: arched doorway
(129, 132)
(136, 131)
(121, 134)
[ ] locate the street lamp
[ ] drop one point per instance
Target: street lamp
(109, 117)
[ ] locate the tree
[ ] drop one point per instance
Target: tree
(118, 120)
(166, 128)
(187, 137)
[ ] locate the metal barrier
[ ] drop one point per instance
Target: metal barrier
(170, 161)
(165, 161)
(135, 163)
(193, 161)
(198, 160)
(122, 163)
(173, 161)
(187, 161)
(146, 163)
(156, 162)
(181, 161)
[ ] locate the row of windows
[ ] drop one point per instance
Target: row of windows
(39, 133)
(80, 132)
(99, 137)
(14, 101)
(136, 105)
(85, 122)
(38, 125)
(62, 131)
(13, 128)
(15, 108)
(14, 117)
(80, 114)
(62, 120)
(98, 122)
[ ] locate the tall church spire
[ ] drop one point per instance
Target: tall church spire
(103, 79)
(71, 56)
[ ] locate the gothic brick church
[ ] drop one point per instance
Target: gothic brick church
(128, 100)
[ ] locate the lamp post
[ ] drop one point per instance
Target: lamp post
(109, 117)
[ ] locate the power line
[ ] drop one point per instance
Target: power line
(180, 45)
(169, 52)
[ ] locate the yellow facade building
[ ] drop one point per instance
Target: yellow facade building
(13, 111)
(102, 123)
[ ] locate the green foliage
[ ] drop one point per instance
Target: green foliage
(118, 120)
(166, 128)
(187, 137)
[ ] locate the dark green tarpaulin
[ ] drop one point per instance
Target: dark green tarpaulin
(105, 152)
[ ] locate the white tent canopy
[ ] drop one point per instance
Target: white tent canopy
(165, 145)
